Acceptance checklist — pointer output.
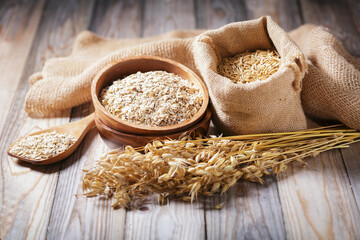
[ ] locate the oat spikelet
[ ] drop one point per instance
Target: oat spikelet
(186, 168)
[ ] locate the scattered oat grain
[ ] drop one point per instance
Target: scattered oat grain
(219, 206)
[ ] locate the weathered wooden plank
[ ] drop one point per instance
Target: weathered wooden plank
(337, 16)
(251, 211)
(117, 19)
(303, 226)
(18, 24)
(354, 6)
(351, 158)
(73, 215)
(28, 191)
(285, 13)
(217, 13)
(318, 201)
(161, 17)
(176, 220)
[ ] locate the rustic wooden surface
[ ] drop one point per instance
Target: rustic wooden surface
(320, 201)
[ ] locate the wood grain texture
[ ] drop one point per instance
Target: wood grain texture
(28, 191)
(250, 211)
(18, 24)
(318, 201)
(298, 226)
(342, 19)
(354, 6)
(163, 16)
(216, 13)
(285, 13)
(176, 220)
(73, 215)
(351, 157)
(122, 18)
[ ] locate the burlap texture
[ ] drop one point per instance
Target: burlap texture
(65, 82)
(272, 105)
(331, 88)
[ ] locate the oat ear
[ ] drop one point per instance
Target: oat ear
(177, 168)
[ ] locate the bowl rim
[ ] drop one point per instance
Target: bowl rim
(188, 122)
(205, 118)
(121, 139)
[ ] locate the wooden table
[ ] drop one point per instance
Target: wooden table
(321, 200)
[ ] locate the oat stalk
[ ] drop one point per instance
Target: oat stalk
(185, 168)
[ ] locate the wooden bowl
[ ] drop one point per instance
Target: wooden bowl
(130, 65)
(121, 138)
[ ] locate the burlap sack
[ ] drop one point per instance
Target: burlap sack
(272, 105)
(65, 82)
(331, 88)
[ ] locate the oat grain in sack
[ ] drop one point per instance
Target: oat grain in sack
(331, 88)
(271, 105)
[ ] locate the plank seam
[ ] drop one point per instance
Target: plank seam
(281, 207)
(348, 179)
(142, 17)
(300, 11)
(205, 222)
(197, 5)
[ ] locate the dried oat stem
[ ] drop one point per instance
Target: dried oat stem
(186, 168)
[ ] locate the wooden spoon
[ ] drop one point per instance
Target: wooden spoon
(76, 129)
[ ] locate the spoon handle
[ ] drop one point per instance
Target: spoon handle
(86, 124)
(79, 128)
(88, 121)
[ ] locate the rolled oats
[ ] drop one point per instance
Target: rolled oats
(155, 98)
(42, 146)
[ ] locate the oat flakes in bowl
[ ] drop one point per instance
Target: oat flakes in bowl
(149, 95)
(154, 98)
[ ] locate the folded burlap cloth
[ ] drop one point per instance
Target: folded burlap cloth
(330, 89)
